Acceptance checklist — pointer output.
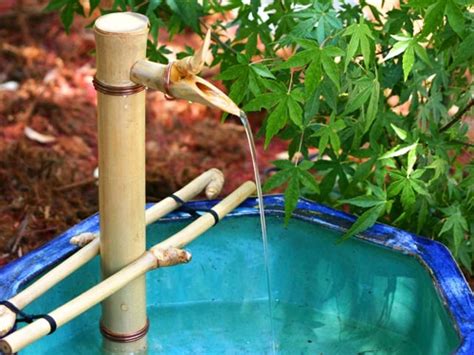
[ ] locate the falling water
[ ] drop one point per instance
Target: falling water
(253, 153)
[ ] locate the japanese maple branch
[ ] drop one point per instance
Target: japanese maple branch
(216, 38)
(457, 117)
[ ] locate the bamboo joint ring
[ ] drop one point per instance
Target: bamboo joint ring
(124, 338)
(116, 90)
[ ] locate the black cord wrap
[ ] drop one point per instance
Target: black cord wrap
(214, 214)
(29, 318)
(194, 211)
(51, 321)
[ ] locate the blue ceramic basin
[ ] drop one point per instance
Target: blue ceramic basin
(385, 292)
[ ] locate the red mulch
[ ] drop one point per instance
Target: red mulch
(47, 187)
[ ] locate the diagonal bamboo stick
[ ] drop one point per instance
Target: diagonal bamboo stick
(166, 253)
(212, 181)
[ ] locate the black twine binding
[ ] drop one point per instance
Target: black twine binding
(214, 214)
(51, 321)
(194, 211)
(29, 318)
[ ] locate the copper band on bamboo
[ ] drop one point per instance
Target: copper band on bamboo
(166, 87)
(116, 90)
(124, 338)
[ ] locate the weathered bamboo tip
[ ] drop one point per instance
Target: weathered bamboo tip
(83, 239)
(195, 63)
(7, 320)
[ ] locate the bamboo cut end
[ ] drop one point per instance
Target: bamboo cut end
(122, 22)
(7, 320)
(216, 184)
(5, 348)
(83, 239)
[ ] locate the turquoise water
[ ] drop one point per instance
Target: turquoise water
(350, 298)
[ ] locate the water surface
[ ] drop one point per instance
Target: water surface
(350, 298)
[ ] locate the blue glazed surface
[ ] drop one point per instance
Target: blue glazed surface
(447, 278)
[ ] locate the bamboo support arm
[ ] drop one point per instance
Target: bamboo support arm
(211, 181)
(166, 253)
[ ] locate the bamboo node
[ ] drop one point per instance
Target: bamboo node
(112, 90)
(124, 338)
(170, 256)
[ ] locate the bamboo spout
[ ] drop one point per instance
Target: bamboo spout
(179, 80)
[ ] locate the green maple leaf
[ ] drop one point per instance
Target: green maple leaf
(361, 39)
(409, 47)
(296, 176)
(433, 17)
(456, 224)
(67, 9)
(329, 134)
(283, 106)
(365, 220)
(319, 62)
(455, 17)
(318, 21)
(401, 133)
(398, 151)
(407, 184)
(440, 167)
(188, 10)
(376, 201)
(365, 89)
(435, 13)
(337, 172)
(247, 77)
(464, 52)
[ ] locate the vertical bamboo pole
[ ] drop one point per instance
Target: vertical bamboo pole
(121, 41)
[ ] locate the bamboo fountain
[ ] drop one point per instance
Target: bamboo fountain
(122, 75)
(320, 307)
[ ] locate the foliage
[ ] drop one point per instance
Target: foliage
(327, 77)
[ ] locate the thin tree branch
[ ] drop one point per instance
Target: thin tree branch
(457, 117)
(466, 144)
(216, 38)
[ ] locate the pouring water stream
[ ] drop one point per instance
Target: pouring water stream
(253, 153)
